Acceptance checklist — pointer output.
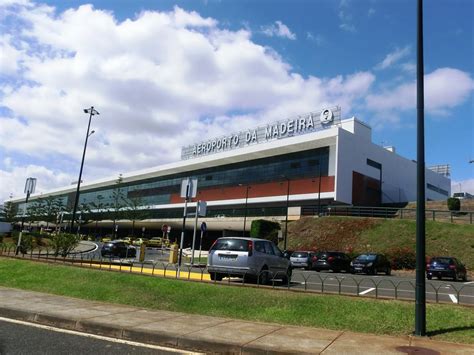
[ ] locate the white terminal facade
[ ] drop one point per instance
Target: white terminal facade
(307, 162)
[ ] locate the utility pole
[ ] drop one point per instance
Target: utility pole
(420, 289)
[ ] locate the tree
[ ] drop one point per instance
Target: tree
(135, 210)
(63, 243)
(261, 228)
(83, 216)
(454, 204)
(117, 204)
(99, 207)
(36, 211)
(52, 207)
(9, 211)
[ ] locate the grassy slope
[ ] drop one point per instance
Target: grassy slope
(379, 235)
(445, 322)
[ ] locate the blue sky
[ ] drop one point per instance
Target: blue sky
(220, 65)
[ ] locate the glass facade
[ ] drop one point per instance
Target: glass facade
(158, 191)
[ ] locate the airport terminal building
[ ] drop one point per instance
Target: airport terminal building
(305, 162)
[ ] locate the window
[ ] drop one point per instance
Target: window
(268, 248)
(295, 165)
(437, 189)
(374, 164)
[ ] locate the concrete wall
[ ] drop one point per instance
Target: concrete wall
(398, 173)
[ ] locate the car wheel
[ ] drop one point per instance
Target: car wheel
(336, 270)
(388, 272)
(216, 276)
(287, 278)
(455, 277)
(264, 277)
(429, 277)
(438, 277)
(464, 278)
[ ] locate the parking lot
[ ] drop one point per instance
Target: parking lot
(399, 285)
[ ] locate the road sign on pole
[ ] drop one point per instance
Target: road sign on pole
(188, 191)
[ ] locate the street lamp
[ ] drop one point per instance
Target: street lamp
(287, 206)
(30, 186)
(245, 213)
(91, 111)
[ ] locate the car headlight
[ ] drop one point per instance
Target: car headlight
(370, 264)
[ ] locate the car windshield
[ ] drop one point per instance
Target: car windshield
(441, 260)
(299, 254)
(231, 244)
(366, 257)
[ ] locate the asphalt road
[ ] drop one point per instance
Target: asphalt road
(394, 286)
(24, 338)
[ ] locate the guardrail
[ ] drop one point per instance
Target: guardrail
(303, 282)
(464, 217)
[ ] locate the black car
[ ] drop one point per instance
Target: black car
(332, 260)
(118, 248)
(446, 266)
(371, 264)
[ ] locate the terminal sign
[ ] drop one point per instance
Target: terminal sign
(277, 130)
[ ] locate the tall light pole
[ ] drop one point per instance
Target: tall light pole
(30, 186)
(319, 185)
(287, 206)
(245, 212)
(420, 288)
(91, 111)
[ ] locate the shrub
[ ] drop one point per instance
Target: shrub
(26, 242)
(261, 228)
(454, 204)
(402, 258)
(64, 243)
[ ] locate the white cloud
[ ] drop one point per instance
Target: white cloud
(278, 29)
(318, 38)
(393, 57)
(444, 88)
(160, 81)
(371, 12)
(345, 17)
(463, 186)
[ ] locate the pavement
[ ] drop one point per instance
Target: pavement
(204, 333)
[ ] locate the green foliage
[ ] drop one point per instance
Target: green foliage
(9, 212)
(454, 204)
(135, 211)
(262, 228)
(63, 243)
(26, 244)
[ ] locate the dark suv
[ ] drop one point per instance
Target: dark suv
(332, 260)
(371, 264)
(446, 266)
(118, 248)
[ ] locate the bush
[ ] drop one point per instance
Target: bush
(264, 229)
(64, 243)
(402, 258)
(26, 242)
(454, 204)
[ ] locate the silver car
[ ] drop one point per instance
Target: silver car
(250, 258)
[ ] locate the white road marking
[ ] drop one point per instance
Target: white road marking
(468, 283)
(367, 291)
(453, 298)
(99, 337)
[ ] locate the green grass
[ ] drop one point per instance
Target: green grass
(445, 322)
(380, 235)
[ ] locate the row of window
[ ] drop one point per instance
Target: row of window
(437, 189)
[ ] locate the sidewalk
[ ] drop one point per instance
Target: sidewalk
(203, 333)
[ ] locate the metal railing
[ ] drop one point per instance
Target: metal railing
(310, 282)
(462, 217)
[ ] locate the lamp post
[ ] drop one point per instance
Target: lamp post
(91, 111)
(30, 186)
(245, 212)
(420, 289)
(287, 206)
(319, 186)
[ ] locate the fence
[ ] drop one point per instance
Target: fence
(310, 282)
(462, 217)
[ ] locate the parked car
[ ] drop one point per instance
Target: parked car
(304, 259)
(371, 264)
(139, 241)
(446, 266)
(105, 239)
(118, 248)
(250, 258)
(127, 240)
(154, 242)
(332, 260)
